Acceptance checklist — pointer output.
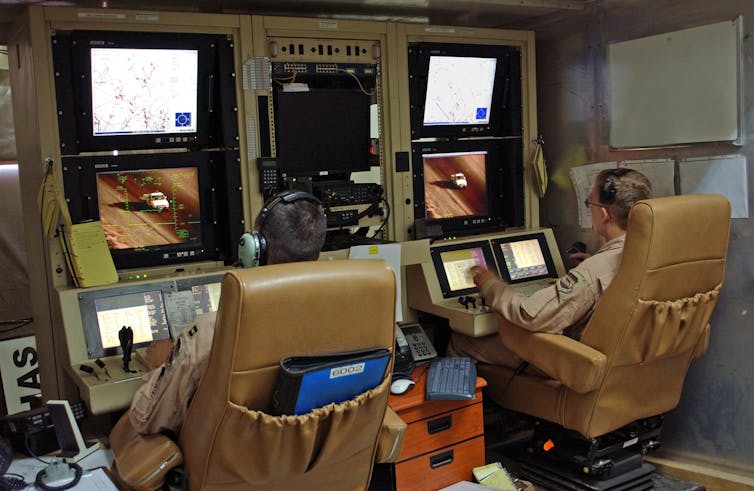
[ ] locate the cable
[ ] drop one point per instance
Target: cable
(387, 217)
(10, 481)
(363, 90)
(77, 470)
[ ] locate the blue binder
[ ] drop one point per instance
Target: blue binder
(308, 382)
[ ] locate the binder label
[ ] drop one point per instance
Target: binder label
(347, 370)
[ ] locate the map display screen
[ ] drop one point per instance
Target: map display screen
(459, 90)
(137, 91)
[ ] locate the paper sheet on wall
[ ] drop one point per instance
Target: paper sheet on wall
(390, 253)
(582, 178)
(660, 173)
(724, 175)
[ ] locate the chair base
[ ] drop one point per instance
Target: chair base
(629, 472)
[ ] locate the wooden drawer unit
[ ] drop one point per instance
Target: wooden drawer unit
(444, 439)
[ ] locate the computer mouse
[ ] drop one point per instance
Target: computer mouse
(401, 386)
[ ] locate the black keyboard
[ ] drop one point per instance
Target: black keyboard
(452, 378)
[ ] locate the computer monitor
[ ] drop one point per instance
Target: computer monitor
(524, 258)
(159, 208)
(464, 90)
(322, 130)
(467, 186)
(119, 90)
(105, 312)
(452, 263)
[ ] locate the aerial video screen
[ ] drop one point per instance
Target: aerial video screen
(459, 90)
(455, 184)
(151, 207)
(143, 91)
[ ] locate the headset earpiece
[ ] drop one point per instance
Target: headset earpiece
(252, 250)
(608, 190)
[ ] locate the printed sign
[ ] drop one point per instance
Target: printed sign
(20, 374)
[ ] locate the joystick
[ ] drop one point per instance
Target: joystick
(126, 337)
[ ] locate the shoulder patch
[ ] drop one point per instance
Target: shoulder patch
(569, 283)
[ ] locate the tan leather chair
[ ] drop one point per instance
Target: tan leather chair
(228, 440)
(652, 321)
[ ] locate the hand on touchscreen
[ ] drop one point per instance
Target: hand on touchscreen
(481, 275)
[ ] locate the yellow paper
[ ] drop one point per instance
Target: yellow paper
(540, 170)
(89, 255)
(494, 476)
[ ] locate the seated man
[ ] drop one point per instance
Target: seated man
(565, 307)
(294, 231)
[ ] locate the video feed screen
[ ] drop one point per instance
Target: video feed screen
(524, 258)
(145, 208)
(459, 90)
(138, 91)
(453, 262)
(455, 184)
(143, 312)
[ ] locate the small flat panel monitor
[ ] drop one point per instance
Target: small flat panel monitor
(524, 258)
(322, 130)
(453, 261)
(105, 312)
(204, 290)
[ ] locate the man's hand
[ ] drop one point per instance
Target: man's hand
(157, 352)
(481, 275)
(577, 257)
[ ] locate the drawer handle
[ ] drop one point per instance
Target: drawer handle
(439, 424)
(441, 459)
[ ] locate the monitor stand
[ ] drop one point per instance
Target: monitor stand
(72, 445)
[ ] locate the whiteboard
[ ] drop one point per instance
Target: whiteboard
(675, 88)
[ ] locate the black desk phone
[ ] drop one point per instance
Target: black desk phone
(412, 339)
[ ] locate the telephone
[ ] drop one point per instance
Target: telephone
(411, 338)
(269, 176)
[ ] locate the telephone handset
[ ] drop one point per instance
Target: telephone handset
(417, 341)
(269, 176)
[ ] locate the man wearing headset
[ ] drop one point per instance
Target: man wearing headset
(565, 307)
(291, 227)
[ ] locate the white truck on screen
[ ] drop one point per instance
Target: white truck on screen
(157, 200)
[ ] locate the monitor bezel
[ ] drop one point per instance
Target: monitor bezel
(505, 114)
(495, 173)
(72, 62)
(80, 183)
(543, 245)
(90, 324)
(442, 278)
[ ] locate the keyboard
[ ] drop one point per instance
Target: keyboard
(452, 378)
(532, 287)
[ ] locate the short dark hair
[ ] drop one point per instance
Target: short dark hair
(624, 187)
(294, 231)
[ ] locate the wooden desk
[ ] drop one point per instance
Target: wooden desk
(444, 439)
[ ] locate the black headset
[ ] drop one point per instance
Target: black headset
(608, 190)
(252, 248)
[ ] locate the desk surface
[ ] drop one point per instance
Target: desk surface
(407, 403)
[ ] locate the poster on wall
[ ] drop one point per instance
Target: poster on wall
(20, 374)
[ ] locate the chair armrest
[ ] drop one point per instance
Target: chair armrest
(142, 460)
(391, 437)
(574, 364)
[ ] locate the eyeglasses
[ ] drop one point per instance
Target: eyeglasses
(588, 203)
